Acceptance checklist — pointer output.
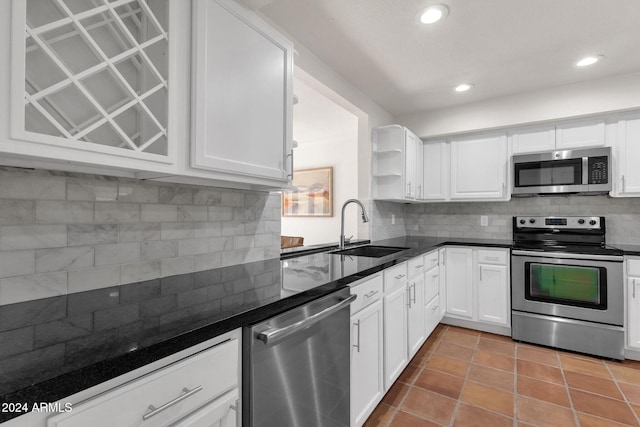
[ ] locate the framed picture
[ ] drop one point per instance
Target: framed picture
(313, 195)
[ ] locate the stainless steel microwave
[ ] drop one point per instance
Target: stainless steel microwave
(586, 171)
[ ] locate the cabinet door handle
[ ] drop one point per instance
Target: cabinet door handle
(481, 274)
(290, 175)
(435, 276)
(408, 291)
(408, 189)
(236, 407)
(504, 189)
(357, 344)
(435, 307)
(153, 411)
(623, 183)
(633, 284)
(414, 293)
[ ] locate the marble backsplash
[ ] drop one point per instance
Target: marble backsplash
(63, 233)
(459, 219)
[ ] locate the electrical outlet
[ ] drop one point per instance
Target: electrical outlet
(393, 219)
(484, 220)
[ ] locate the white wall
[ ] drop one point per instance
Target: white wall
(580, 99)
(341, 155)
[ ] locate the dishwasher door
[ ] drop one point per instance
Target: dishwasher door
(296, 366)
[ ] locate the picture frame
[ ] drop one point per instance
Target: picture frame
(312, 196)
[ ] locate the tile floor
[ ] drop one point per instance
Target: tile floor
(462, 377)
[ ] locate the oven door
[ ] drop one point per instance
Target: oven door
(573, 286)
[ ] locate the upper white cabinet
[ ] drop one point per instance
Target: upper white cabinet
(396, 164)
(435, 175)
(562, 136)
(90, 84)
(479, 168)
(241, 93)
(626, 176)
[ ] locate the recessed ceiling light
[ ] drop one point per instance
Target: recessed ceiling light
(463, 87)
(589, 60)
(433, 13)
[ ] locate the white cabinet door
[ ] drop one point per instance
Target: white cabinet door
(435, 182)
(627, 157)
(415, 315)
(459, 265)
(242, 93)
(367, 385)
(432, 315)
(431, 283)
(581, 134)
(442, 294)
(479, 168)
(493, 294)
(633, 326)
(395, 334)
(419, 170)
(533, 139)
(410, 146)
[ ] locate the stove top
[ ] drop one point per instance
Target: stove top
(569, 248)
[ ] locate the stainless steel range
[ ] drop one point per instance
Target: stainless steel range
(567, 288)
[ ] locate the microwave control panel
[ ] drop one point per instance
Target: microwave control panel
(598, 170)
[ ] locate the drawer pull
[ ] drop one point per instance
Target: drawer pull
(492, 258)
(419, 266)
(370, 294)
(153, 411)
(435, 276)
(357, 345)
(400, 276)
(435, 307)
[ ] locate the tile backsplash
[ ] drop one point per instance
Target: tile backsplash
(64, 233)
(458, 219)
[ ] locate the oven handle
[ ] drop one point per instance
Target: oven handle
(568, 255)
(275, 334)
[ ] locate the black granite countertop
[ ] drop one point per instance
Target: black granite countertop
(52, 348)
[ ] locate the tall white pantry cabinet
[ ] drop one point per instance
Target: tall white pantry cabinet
(189, 92)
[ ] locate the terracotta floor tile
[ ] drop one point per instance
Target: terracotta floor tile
(632, 392)
(494, 360)
(456, 351)
(624, 374)
(429, 405)
(429, 346)
(459, 330)
(540, 372)
(471, 416)
(542, 390)
(404, 419)
(636, 408)
(592, 384)
(492, 377)
(496, 337)
(421, 358)
(500, 347)
(538, 354)
(410, 373)
(440, 383)
(380, 416)
(463, 339)
(543, 414)
(448, 365)
(627, 363)
(488, 398)
(602, 407)
(592, 366)
(396, 394)
(587, 420)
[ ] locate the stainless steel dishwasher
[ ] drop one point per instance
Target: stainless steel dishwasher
(296, 366)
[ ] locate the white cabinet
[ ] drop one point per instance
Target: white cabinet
(367, 383)
(569, 135)
(242, 93)
(633, 302)
(91, 91)
(477, 282)
(459, 265)
(435, 176)
(433, 310)
(626, 176)
(415, 305)
(200, 390)
(395, 323)
(479, 168)
(396, 166)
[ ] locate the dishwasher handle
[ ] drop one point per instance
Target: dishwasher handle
(276, 334)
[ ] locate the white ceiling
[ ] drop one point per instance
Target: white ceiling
(502, 46)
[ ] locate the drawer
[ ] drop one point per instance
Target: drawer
(486, 256)
(368, 291)
(395, 276)
(633, 267)
(430, 260)
(431, 283)
(415, 266)
(203, 377)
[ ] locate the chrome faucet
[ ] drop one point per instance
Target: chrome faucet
(365, 218)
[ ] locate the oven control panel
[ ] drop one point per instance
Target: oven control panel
(565, 222)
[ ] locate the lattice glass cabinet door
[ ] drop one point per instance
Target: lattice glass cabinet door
(95, 74)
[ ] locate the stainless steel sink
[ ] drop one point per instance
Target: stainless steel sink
(371, 251)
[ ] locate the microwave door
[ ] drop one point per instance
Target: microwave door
(549, 176)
